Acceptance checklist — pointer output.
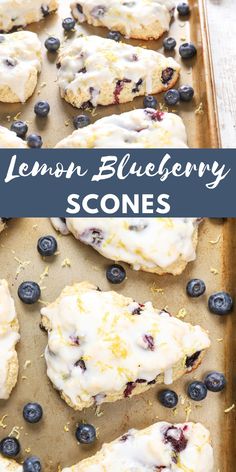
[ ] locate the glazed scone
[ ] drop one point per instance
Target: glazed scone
(157, 245)
(96, 71)
(164, 446)
(9, 336)
(144, 128)
(103, 346)
(140, 19)
(9, 139)
(20, 64)
(9, 465)
(15, 13)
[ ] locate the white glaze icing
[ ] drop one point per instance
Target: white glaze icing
(9, 465)
(135, 129)
(151, 449)
(9, 139)
(15, 13)
(116, 344)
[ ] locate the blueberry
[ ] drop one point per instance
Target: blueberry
(32, 464)
(171, 97)
(34, 141)
(168, 398)
(68, 24)
(220, 303)
(42, 109)
(197, 391)
(85, 433)
(47, 246)
(115, 35)
(150, 102)
(187, 50)
(115, 274)
(20, 128)
(186, 93)
(80, 121)
(169, 44)
(195, 288)
(215, 381)
(29, 292)
(183, 9)
(52, 44)
(10, 447)
(32, 412)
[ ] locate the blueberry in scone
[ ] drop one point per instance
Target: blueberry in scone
(15, 13)
(96, 71)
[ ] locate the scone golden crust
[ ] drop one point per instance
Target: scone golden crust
(15, 13)
(103, 347)
(9, 139)
(157, 245)
(96, 71)
(9, 465)
(141, 19)
(9, 336)
(20, 64)
(144, 128)
(163, 446)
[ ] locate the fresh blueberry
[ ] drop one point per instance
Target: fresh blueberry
(183, 9)
(68, 24)
(80, 121)
(115, 274)
(32, 464)
(115, 35)
(34, 141)
(47, 246)
(187, 50)
(220, 303)
(32, 412)
(150, 102)
(169, 44)
(9, 447)
(215, 381)
(171, 97)
(186, 93)
(20, 128)
(197, 391)
(42, 109)
(52, 44)
(85, 433)
(195, 288)
(29, 292)
(168, 398)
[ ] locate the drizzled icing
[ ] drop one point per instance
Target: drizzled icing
(126, 16)
(163, 447)
(9, 336)
(9, 465)
(9, 139)
(135, 129)
(20, 55)
(100, 343)
(15, 13)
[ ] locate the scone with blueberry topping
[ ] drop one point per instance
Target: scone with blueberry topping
(9, 336)
(157, 245)
(16, 13)
(96, 71)
(103, 347)
(9, 465)
(20, 64)
(144, 128)
(9, 139)
(141, 19)
(161, 447)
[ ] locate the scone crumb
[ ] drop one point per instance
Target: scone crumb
(182, 313)
(26, 364)
(24, 377)
(17, 116)
(188, 411)
(216, 240)
(214, 271)
(2, 424)
(219, 340)
(66, 262)
(27, 450)
(199, 110)
(99, 412)
(66, 427)
(230, 408)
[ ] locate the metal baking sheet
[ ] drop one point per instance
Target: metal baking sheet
(200, 116)
(53, 439)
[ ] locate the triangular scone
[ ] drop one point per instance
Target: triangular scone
(3, 223)
(103, 347)
(9, 139)
(20, 63)
(140, 19)
(144, 128)
(9, 465)
(97, 71)
(162, 446)
(9, 336)
(15, 13)
(158, 245)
